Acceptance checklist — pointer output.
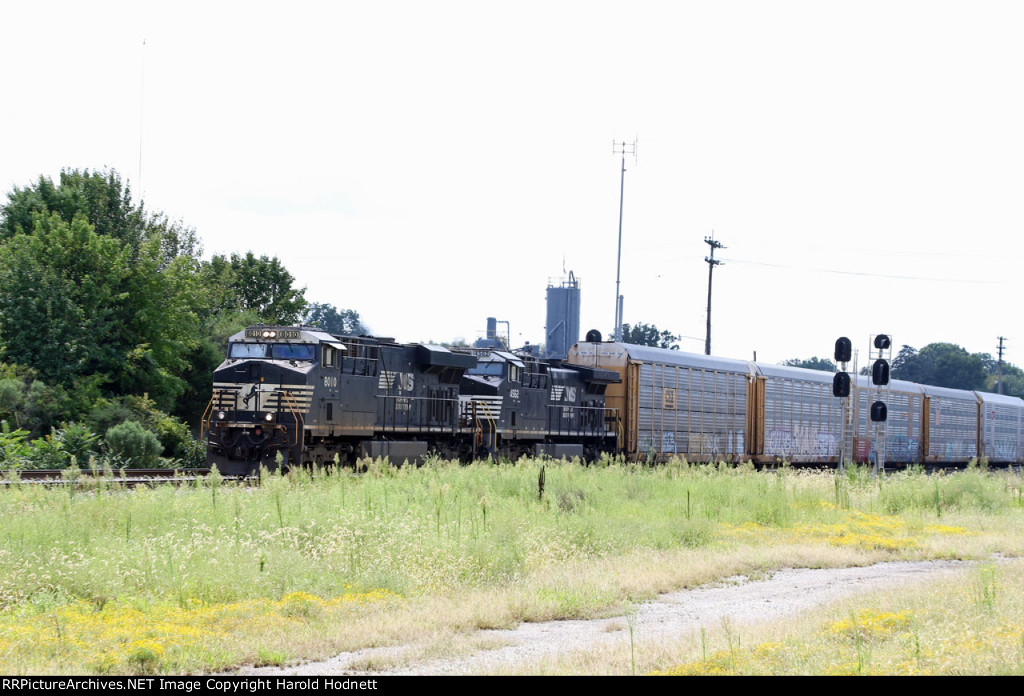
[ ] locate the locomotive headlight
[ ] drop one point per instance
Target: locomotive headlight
(221, 415)
(269, 334)
(269, 417)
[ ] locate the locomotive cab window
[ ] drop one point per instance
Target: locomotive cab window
(329, 355)
(494, 369)
(247, 350)
(272, 351)
(292, 351)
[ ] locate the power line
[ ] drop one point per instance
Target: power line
(710, 241)
(998, 382)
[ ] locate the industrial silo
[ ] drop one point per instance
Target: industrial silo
(563, 321)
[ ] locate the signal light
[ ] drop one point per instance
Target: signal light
(880, 372)
(879, 412)
(841, 385)
(844, 350)
(882, 342)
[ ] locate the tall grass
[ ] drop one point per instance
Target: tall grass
(445, 530)
(963, 624)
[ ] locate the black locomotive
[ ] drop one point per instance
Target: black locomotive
(289, 396)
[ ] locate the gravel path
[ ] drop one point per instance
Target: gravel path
(784, 593)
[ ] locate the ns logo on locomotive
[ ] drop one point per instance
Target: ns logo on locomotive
(300, 396)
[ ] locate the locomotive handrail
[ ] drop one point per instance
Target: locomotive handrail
(203, 421)
(492, 439)
(419, 402)
(293, 405)
(557, 425)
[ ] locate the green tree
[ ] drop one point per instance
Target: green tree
(1013, 380)
(332, 320)
(648, 335)
(942, 365)
(62, 290)
(815, 363)
(264, 286)
(99, 197)
(94, 292)
(133, 445)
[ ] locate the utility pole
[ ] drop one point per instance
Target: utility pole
(711, 267)
(623, 149)
(999, 379)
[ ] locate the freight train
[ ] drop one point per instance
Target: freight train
(717, 409)
(289, 396)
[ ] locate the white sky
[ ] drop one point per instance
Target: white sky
(430, 164)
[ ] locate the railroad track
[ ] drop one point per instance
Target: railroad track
(124, 477)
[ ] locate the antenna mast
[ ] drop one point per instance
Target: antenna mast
(142, 111)
(621, 149)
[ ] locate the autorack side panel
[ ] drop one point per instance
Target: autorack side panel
(1000, 430)
(801, 419)
(952, 424)
(690, 405)
(904, 426)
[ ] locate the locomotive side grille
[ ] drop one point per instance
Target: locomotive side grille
(488, 407)
(254, 397)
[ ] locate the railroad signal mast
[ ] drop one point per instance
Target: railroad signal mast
(880, 354)
(841, 389)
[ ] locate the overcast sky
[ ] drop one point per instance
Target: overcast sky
(430, 164)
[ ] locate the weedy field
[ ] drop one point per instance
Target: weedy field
(98, 579)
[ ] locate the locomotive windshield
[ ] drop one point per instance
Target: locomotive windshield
(272, 351)
(494, 369)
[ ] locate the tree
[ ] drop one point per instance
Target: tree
(332, 320)
(648, 335)
(942, 365)
(1013, 380)
(261, 285)
(96, 294)
(903, 364)
(814, 363)
(62, 288)
(99, 197)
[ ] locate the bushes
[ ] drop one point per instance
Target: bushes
(134, 446)
(129, 444)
